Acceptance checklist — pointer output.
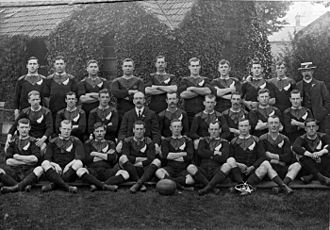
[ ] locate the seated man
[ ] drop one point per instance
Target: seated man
(106, 114)
(247, 158)
(259, 116)
(294, 117)
(101, 158)
(177, 153)
(312, 149)
(76, 115)
(41, 121)
(22, 156)
(200, 125)
(278, 152)
(63, 158)
(213, 169)
(142, 113)
(172, 112)
(138, 157)
(234, 114)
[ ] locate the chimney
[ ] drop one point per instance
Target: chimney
(297, 18)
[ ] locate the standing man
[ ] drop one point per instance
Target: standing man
(315, 96)
(213, 152)
(159, 84)
(248, 160)
(313, 150)
(253, 84)
(278, 152)
(138, 157)
(106, 114)
(101, 158)
(172, 112)
(294, 118)
(41, 121)
(192, 89)
(57, 85)
(27, 83)
(123, 88)
(200, 125)
(259, 116)
(283, 86)
(63, 158)
(21, 169)
(74, 114)
(142, 113)
(89, 87)
(225, 86)
(234, 114)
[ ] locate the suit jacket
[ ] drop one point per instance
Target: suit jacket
(148, 117)
(320, 98)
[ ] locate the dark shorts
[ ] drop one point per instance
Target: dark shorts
(175, 172)
(280, 169)
(103, 173)
(209, 172)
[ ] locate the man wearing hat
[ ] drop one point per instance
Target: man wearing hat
(315, 95)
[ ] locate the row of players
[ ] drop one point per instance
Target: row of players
(247, 159)
(191, 89)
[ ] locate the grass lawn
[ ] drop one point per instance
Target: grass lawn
(305, 209)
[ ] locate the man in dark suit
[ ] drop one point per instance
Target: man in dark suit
(316, 96)
(143, 113)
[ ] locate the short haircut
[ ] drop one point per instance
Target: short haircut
(209, 96)
(176, 94)
(194, 59)
(66, 122)
(104, 91)
(160, 57)
(308, 120)
(223, 62)
(273, 117)
(175, 120)
(128, 60)
(59, 57)
(236, 93)
(32, 58)
(33, 93)
(255, 61)
(215, 123)
(92, 61)
(262, 91)
(24, 121)
(98, 125)
(139, 122)
(295, 91)
(70, 93)
(243, 119)
(280, 62)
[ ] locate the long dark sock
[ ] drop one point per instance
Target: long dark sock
(68, 175)
(253, 179)
(92, 180)
(28, 180)
(52, 176)
(131, 171)
(115, 180)
(237, 175)
(217, 178)
(7, 180)
(199, 177)
(278, 181)
(287, 180)
(149, 173)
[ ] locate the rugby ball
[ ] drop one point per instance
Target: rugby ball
(166, 187)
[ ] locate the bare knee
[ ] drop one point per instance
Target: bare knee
(123, 173)
(192, 169)
(161, 173)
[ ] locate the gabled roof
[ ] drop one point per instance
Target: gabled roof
(285, 34)
(320, 24)
(32, 21)
(169, 12)
(40, 21)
